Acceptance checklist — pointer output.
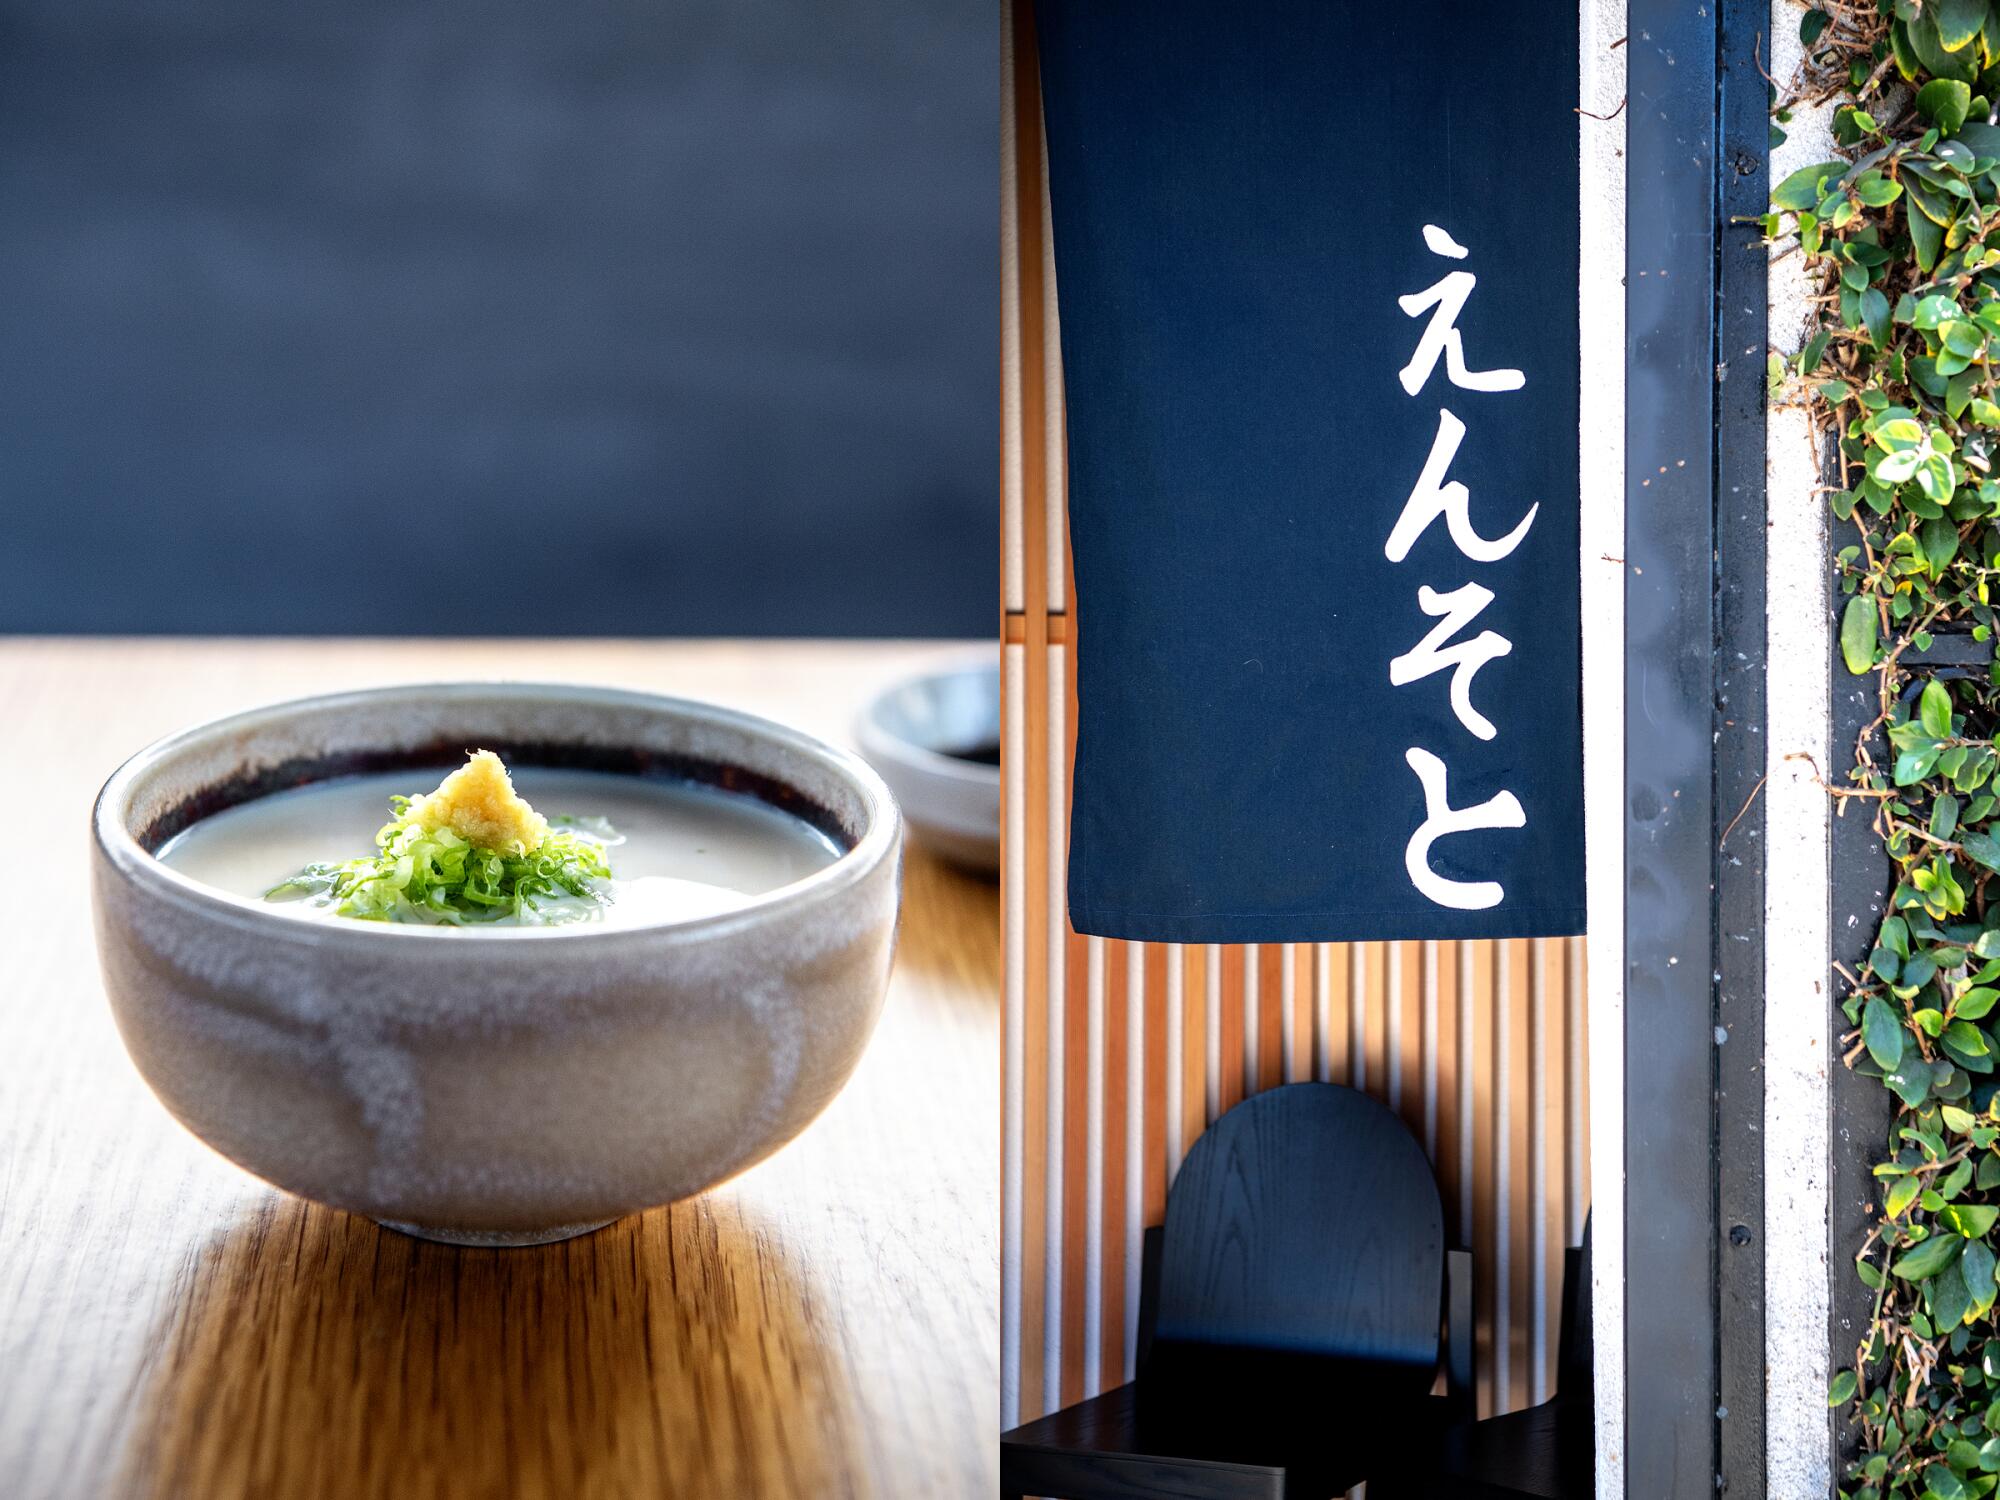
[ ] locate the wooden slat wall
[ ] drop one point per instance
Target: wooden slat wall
(1117, 1055)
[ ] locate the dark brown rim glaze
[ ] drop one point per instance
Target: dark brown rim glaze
(253, 783)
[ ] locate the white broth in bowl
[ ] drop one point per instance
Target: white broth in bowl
(676, 850)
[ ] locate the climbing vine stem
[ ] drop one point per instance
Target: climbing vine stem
(1900, 236)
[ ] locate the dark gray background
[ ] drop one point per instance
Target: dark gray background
(545, 316)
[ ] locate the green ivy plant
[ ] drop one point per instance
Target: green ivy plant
(1902, 232)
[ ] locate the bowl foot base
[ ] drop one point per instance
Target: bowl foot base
(493, 1239)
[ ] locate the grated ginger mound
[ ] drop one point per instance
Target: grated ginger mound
(479, 804)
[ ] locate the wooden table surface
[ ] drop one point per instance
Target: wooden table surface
(824, 1325)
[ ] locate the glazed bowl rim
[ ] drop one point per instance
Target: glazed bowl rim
(146, 871)
(874, 736)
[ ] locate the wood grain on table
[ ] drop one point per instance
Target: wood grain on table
(824, 1325)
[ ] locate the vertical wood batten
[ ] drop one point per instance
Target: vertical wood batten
(1253, 1018)
(1013, 938)
(1055, 926)
(1013, 799)
(1357, 1017)
(1212, 1032)
(1013, 598)
(1139, 1110)
(1195, 998)
(1054, 458)
(1093, 1151)
(1121, 1032)
(1076, 1270)
(1176, 1049)
(1392, 1023)
(1288, 999)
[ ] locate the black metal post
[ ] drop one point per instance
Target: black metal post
(1671, 694)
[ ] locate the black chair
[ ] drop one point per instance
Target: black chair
(1547, 1452)
(1289, 1320)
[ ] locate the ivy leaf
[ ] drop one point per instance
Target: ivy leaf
(1912, 1082)
(1976, 1265)
(1945, 102)
(1877, 191)
(1959, 21)
(1933, 312)
(1986, 849)
(1902, 1193)
(1944, 816)
(1882, 1031)
(1929, 1258)
(1951, 1299)
(1964, 1037)
(1926, 237)
(1962, 336)
(1927, 42)
(1805, 187)
(1970, 1219)
(1960, 392)
(1858, 628)
(1934, 708)
(1875, 316)
(1966, 1045)
(1896, 429)
(1933, 202)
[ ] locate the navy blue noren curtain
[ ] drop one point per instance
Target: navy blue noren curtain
(1316, 270)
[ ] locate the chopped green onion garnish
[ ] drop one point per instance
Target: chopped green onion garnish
(420, 874)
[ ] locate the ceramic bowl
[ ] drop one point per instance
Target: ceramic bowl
(925, 734)
(497, 1086)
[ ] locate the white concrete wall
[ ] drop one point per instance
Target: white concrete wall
(1796, 809)
(1601, 438)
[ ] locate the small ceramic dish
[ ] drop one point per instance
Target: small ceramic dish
(493, 1086)
(935, 738)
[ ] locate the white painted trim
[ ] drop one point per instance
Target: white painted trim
(1601, 452)
(1797, 1084)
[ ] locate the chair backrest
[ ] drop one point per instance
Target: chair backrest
(1305, 1222)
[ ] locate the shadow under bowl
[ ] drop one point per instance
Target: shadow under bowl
(935, 738)
(493, 1086)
